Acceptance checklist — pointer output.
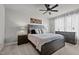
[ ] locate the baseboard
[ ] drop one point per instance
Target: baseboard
(1, 46)
(6, 44)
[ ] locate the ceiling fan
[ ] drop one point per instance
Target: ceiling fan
(49, 9)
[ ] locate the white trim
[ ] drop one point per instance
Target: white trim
(1, 47)
(10, 43)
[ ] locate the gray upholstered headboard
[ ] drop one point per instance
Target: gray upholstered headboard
(30, 27)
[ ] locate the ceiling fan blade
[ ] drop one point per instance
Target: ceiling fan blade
(47, 6)
(54, 6)
(45, 12)
(54, 10)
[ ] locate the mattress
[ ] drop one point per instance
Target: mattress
(39, 39)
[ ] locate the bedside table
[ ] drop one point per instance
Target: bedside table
(22, 39)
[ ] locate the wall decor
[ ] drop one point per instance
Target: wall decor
(37, 21)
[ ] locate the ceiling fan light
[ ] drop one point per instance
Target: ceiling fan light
(49, 13)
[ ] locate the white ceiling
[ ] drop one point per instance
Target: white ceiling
(34, 9)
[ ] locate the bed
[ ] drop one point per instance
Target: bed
(45, 43)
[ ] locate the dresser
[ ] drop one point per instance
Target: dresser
(70, 37)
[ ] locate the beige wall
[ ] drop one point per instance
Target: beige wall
(2, 26)
(16, 19)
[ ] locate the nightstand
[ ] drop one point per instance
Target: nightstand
(22, 39)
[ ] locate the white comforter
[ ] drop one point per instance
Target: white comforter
(40, 39)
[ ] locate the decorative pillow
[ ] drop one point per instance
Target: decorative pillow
(37, 31)
(33, 32)
(44, 31)
(40, 31)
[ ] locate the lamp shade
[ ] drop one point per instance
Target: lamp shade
(22, 30)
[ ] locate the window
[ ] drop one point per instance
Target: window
(59, 24)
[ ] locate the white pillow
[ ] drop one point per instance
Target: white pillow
(44, 31)
(40, 31)
(37, 31)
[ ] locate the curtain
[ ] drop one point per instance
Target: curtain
(52, 25)
(69, 22)
(59, 24)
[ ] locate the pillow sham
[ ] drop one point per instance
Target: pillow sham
(44, 31)
(40, 31)
(37, 31)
